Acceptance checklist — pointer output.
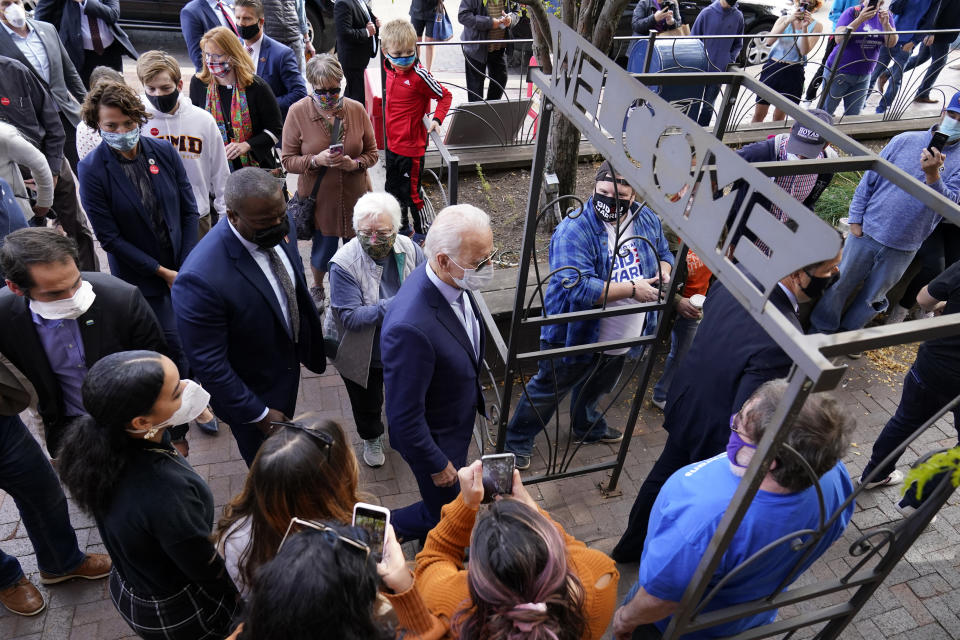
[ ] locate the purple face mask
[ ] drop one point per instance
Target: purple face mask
(735, 444)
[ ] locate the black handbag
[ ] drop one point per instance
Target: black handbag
(302, 209)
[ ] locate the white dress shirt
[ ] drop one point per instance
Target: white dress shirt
(792, 298)
(32, 49)
(216, 10)
(459, 302)
(106, 36)
(255, 54)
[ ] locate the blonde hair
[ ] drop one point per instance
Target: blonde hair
(152, 63)
(397, 35)
(240, 61)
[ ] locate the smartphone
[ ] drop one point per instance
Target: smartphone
(336, 149)
(497, 475)
(937, 141)
(374, 520)
(873, 4)
(804, 7)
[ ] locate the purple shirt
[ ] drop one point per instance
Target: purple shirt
(63, 345)
(860, 56)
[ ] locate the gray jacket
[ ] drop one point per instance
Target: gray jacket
(65, 83)
(356, 347)
(281, 21)
(643, 22)
(476, 25)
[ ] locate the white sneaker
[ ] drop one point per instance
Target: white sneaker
(897, 315)
(659, 404)
(373, 452)
(894, 478)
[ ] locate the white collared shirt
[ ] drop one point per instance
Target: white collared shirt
(216, 10)
(264, 263)
(32, 49)
(459, 302)
(106, 35)
(791, 297)
(255, 54)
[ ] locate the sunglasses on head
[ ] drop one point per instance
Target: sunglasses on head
(329, 534)
(324, 440)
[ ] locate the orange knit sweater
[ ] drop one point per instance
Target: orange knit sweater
(442, 580)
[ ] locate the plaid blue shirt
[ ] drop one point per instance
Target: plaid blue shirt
(580, 241)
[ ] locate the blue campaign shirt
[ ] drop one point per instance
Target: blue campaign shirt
(685, 517)
(580, 241)
(63, 345)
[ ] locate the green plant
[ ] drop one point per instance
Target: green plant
(835, 201)
(938, 463)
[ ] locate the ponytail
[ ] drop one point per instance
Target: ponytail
(92, 459)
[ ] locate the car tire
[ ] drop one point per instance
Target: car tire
(756, 51)
(323, 28)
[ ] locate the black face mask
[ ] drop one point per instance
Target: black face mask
(818, 285)
(250, 31)
(165, 104)
(271, 236)
(610, 209)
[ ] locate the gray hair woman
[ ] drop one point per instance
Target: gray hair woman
(365, 274)
(309, 150)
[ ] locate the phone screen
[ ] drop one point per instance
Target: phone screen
(937, 141)
(497, 475)
(336, 149)
(375, 523)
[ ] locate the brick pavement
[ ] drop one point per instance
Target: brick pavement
(920, 600)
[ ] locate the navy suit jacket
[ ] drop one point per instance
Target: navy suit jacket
(69, 16)
(430, 377)
(279, 68)
(123, 226)
(233, 331)
(196, 18)
(731, 356)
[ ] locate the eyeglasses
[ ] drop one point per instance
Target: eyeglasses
(215, 57)
(330, 535)
(376, 233)
(324, 439)
(736, 427)
(481, 264)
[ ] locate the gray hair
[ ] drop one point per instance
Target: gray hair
(449, 226)
(820, 433)
(249, 182)
(323, 67)
(374, 204)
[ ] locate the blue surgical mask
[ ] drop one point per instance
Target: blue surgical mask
(734, 445)
(121, 141)
(402, 62)
(951, 128)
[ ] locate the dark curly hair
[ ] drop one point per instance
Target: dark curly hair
(112, 94)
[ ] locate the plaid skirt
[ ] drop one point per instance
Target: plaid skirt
(190, 614)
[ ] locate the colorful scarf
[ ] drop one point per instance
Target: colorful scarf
(239, 119)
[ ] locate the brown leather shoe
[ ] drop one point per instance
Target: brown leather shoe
(93, 567)
(23, 598)
(926, 100)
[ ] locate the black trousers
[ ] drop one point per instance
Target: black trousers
(70, 217)
(495, 68)
(111, 57)
(403, 183)
(354, 89)
(367, 404)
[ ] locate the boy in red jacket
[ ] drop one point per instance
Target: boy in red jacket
(410, 88)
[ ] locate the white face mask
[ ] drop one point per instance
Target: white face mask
(193, 401)
(15, 15)
(473, 280)
(68, 308)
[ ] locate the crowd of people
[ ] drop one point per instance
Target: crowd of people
(208, 314)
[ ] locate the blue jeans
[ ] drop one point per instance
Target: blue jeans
(321, 250)
(918, 403)
(26, 474)
(867, 262)
(937, 54)
(849, 88)
(702, 112)
(893, 62)
(684, 329)
(546, 389)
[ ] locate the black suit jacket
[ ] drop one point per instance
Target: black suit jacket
(731, 356)
(355, 47)
(119, 320)
(69, 16)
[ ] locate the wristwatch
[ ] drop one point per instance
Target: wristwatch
(360, 165)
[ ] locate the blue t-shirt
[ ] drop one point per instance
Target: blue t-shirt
(685, 517)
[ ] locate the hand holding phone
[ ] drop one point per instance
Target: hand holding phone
(336, 149)
(497, 475)
(374, 520)
(937, 141)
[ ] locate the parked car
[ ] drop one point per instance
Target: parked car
(164, 15)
